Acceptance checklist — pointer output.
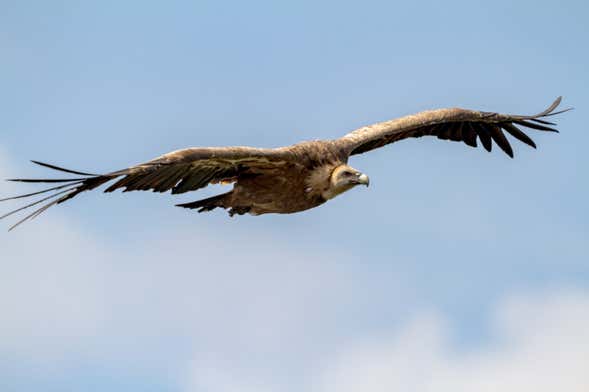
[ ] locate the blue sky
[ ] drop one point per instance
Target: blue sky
(126, 292)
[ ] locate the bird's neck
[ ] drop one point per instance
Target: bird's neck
(319, 182)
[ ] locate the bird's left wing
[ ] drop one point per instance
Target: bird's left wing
(455, 124)
(179, 171)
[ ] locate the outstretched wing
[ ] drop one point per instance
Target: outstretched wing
(455, 124)
(179, 171)
(194, 168)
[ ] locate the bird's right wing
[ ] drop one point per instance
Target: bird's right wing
(179, 171)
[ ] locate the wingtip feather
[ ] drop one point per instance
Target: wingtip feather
(50, 166)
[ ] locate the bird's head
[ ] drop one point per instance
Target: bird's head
(344, 178)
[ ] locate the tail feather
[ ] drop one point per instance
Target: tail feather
(208, 204)
(73, 187)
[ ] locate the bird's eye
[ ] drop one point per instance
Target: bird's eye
(348, 174)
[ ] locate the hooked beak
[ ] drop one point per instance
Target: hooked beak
(363, 179)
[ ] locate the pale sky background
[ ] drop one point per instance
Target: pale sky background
(457, 270)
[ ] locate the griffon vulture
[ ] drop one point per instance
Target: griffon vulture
(287, 179)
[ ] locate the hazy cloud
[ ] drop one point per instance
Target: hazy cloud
(541, 343)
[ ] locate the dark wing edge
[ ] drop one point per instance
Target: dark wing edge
(68, 189)
(455, 125)
(179, 171)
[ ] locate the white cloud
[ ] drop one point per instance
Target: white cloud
(542, 344)
(211, 377)
(62, 289)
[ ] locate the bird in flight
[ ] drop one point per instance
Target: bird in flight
(287, 179)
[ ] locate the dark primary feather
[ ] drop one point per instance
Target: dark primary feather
(62, 169)
(42, 180)
(484, 135)
(38, 192)
(60, 195)
(519, 135)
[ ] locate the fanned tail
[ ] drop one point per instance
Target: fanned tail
(68, 189)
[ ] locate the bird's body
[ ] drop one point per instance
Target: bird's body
(288, 179)
(274, 188)
(296, 179)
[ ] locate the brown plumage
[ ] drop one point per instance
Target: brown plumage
(288, 179)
